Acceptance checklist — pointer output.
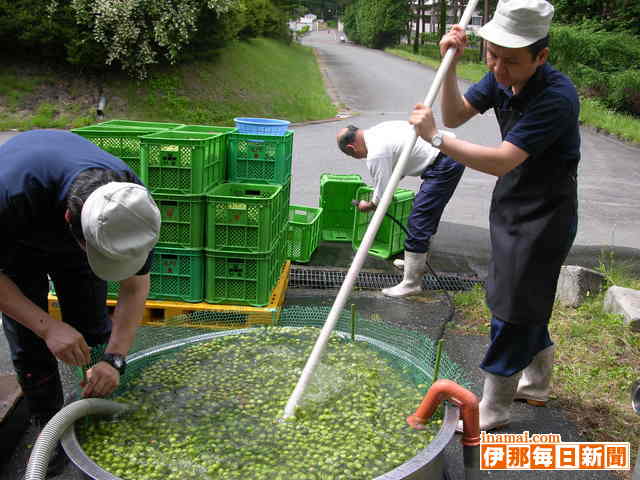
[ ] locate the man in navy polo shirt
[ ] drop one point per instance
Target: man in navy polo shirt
(75, 213)
(533, 218)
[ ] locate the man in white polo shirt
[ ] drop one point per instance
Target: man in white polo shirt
(382, 145)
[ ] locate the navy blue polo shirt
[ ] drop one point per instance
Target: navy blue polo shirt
(36, 170)
(550, 107)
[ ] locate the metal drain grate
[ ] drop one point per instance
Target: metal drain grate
(321, 279)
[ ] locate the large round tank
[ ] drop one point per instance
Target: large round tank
(428, 464)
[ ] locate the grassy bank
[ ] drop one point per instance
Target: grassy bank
(260, 77)
(597, 359)
(592, 113)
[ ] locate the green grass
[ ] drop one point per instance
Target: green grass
(256, 78)
(592, 113)
(597, 357)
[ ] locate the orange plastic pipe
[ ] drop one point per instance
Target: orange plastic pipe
(440, 391)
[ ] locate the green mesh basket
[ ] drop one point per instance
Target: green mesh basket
(390, 237)
(183, 162)
(260, 158)
(244, 217)
(303, 232)
(240, 278)
(336, 194)
(183, 218)
(121, 138)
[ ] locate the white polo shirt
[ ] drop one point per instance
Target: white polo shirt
(384, 145)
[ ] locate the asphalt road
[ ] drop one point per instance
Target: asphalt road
(377, 87)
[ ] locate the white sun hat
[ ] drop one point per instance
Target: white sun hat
(121, 224)
(518, 23)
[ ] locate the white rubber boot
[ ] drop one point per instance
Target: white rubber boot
(411, 284)
(497, 397)
(535, 384)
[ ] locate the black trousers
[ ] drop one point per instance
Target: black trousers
(82, 298)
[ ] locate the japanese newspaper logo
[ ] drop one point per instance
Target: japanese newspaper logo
(547, 451)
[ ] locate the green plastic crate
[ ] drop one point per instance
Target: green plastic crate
(135, 124)
(176, 274)
(245, 217)
(336, 194)
(303, 232)
(260, 158)
(121, 138)
(390, 237)
(239, 278)
(183, 220)
(183, 162)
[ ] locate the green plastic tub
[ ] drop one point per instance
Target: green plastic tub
(390, 237)
(336, 194)
(303, 232)
(260, 158)
(183, 162)
(245, 217)
(183, 220)
(239, 278)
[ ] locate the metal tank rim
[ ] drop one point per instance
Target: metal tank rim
(429, 461)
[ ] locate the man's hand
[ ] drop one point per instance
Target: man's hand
(457, 38)
(66, 343)
(102, 379)
(365, 206)
(422, 118)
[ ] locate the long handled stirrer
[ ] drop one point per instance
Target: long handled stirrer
(369, 236)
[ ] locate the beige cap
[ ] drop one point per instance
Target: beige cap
(518, 23)
(121, 224)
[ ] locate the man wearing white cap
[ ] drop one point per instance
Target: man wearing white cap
(533, 218)
(75, 213)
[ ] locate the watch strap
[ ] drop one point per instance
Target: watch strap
(116, 360)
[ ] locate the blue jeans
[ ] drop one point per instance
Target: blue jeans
(82, 298)
(439, 182)
(513, 346)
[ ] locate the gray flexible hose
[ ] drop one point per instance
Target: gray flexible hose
(53, 431)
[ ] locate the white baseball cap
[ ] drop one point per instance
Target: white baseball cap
(121, 224)
(518, 23)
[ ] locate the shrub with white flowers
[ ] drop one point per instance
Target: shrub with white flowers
(138, 33)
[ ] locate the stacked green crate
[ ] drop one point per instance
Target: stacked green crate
(247, 218)
(390, 237)
(121, 138)
(245, 242)
(181, 166)
(336, 194)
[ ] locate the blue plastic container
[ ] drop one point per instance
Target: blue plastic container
(261, 126)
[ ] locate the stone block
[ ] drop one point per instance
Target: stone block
(576, 283)
(624, 301)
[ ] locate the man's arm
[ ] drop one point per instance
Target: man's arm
(103, 379)
(456, 110)
(492, 160)
(64, 341)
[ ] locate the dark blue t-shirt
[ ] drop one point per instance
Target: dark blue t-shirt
(542, 120)
(36, 170)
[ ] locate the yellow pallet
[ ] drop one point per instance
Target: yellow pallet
(205, 315)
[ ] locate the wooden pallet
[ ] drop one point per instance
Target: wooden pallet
(205, 315)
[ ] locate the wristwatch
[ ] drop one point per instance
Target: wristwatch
(436, 140)
(116, 360)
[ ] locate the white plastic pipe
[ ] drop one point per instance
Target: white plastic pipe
(370, 235)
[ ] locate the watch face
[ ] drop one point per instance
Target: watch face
(436, 141)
